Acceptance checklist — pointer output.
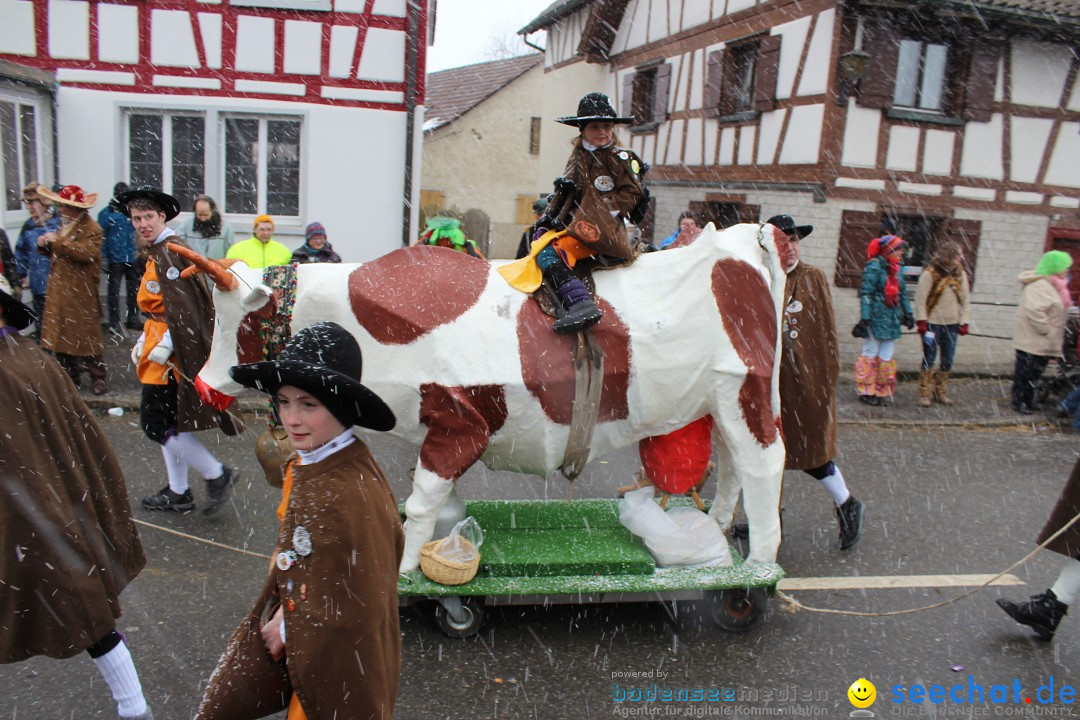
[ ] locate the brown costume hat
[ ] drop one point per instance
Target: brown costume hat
(168, 204)
(594, 107)
(70, 195)
(30, 192)
(324, 360)
(16, 314)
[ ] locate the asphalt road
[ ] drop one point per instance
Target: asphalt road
(942, 501)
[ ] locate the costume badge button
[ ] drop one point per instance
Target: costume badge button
(795, 306)
(289, 586)
(172, 273)
(793, 334)
(604, 183)
(286, 559)
(301, 540)
(153, 287)
(290, 605)
(303, 591)
(624, 155)
(635, 166)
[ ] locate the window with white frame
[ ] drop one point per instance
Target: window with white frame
(168, 150)
(262, 165)
(921, 75)
(19, 151)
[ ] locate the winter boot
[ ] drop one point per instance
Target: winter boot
(166, 499)
(941, 383)
(581, 311)
(925, 387)
(1041, 613)
(849, 516)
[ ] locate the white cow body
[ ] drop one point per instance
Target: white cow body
(683, 366)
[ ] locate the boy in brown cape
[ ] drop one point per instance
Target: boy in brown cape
(323, 638)
(68, 545)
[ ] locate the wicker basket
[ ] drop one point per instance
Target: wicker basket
(447, 572)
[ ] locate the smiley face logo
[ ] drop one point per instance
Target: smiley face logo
(862, 693)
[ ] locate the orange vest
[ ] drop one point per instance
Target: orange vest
(153, 306)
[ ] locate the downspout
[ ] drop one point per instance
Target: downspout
(525, 39)
(411, 62)
(55, 105)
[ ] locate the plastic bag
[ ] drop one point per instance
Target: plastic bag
(682, 536)
(453, 549)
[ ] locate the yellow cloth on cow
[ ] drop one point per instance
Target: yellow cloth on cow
(524, 274)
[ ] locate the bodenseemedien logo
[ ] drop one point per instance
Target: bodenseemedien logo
(862, 694)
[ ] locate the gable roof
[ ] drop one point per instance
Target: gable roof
(454, 92)
(552, 13)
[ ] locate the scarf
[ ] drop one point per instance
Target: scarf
(1062, 285)
(941, 281)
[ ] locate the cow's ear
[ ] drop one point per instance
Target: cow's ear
(256, 298)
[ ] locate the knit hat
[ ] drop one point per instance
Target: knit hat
(883, 245)
(262, 219)
(314, 230)
(1054, 262)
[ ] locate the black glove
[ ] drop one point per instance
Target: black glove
(908, 321)
(861, 329)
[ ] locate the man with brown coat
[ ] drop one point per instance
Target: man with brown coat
(1044, 611)
(68, 545)
(71, 328)
(809, 369)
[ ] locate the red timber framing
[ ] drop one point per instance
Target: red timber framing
(144, 71)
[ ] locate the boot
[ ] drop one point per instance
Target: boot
(581, 311)
(925, 389)
(941, 383)
(1041, 613)
(849, 516)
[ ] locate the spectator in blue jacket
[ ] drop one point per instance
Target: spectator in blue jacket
(33, 266)
(118, 261)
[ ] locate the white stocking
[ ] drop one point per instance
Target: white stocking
(1067, 586)
(187, 448)
(118, 669)
(836, 486)
(176, 471)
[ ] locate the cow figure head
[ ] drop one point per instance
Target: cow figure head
(240, 297)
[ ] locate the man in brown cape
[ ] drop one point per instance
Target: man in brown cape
(171, 351)
(1043, 612)
(809, 369)
(68, 545)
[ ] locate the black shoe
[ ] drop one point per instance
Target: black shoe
(1041, 613)
(849, 515)
(166, 499)
(741, 531)
(580, 316)
(218, 489)
(1021, 408)
(870, 400)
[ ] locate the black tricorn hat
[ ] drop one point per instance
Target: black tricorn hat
(594, 107)
(16, 314)
(787, 224)
(325, 360)
(168, 204)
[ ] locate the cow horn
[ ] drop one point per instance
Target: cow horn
(223, 279)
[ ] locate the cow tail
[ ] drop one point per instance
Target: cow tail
(778, 278)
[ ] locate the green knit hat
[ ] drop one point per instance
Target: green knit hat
(1054, 262)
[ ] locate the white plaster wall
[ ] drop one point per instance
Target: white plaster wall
(303, 47)
(1038, 72)
(1064, 166)
(172, 41)
(982, 153)
(1029, 138)
(254, 44)
(938, 152)
(816, 73)
(770, 124)
(861, 136)
(69, 29)
(802, 143)
(791, 47)
(903, 146)
(350, 184)
(118, 33)
(17, 30)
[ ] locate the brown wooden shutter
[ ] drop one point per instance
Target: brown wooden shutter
(966, 234)
(766, 71)
(748, 213)
(979, 90)
(878, 85)
(660, 96)
(626, 104)
(714, 82)
(857, 229)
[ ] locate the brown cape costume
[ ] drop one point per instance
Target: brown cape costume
(189, 313)
(1067, 506)
(343, 644)
(72, 322)
(809, 369)
(68, 544)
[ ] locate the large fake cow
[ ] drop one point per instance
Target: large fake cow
(473, 370)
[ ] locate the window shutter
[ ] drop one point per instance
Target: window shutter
(765, 73)
(627, 102)
(965, 233)
(979, 100)
(748, 213)
(857, 229)
(660, 96)
(714, 81)
(878, 84)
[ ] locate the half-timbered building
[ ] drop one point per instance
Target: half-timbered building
(302, 109)
(954, 120)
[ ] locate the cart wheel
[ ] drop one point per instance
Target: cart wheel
(473, 617)
(738, 609)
